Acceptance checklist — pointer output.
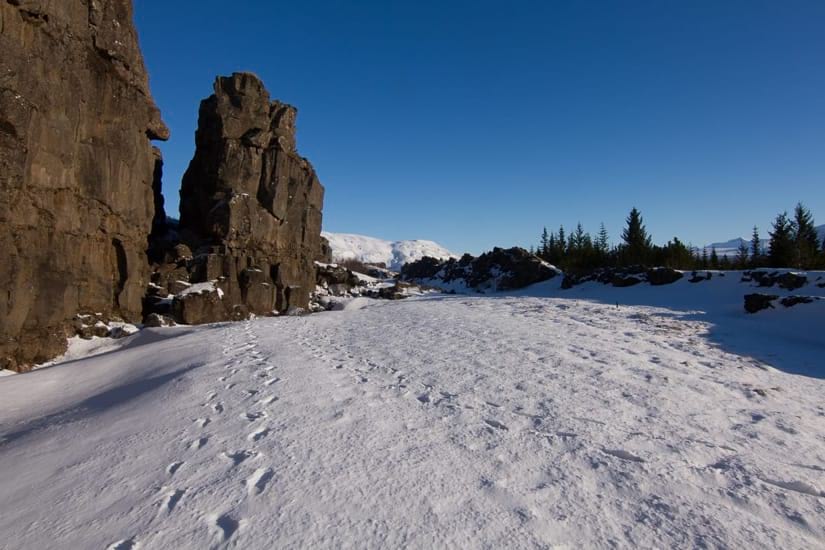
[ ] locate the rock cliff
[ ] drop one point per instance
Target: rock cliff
(250, 207)
(76, 171)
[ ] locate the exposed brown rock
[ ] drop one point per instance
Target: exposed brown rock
(76, 171)
(250, 205)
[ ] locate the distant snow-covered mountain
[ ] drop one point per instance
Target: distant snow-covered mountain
(346, 246)
(731, 247)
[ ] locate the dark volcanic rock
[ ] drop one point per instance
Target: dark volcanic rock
(663, 276)
(621, 281)
(786, 280)
(250, 205)
(758, 302)
(790, 301)
(499, 269)
(76, 171)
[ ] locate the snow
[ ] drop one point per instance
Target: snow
(199, 288)
(393, 254)
(544, 418)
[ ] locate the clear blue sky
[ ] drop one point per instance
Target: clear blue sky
(475, 123)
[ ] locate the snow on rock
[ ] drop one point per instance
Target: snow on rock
(200, 288)
(541, 418)
(393, 254)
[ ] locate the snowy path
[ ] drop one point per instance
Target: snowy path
(456, 422)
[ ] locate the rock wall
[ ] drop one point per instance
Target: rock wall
(76, 171)
(250, 205)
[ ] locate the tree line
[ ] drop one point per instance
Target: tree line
(793, 242)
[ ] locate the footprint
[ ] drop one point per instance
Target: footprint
(239, 456)
(272, 381)
(269, 400)
(174, 467)
(126, 544)
(227, 526)
(198, 443)
(252, 416)
(202, 422)
(496, 424)
(257, 482)
(624, 455)
(218, 408)
(258, 434)
(172, 499)
(424, 398)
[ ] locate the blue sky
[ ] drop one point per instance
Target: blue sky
(476, 123)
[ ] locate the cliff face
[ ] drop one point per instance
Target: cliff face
(76, 170)
(250, 205)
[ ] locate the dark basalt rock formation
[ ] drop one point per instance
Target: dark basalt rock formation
(786, 280)
(757, 302)
(499, 269)
(76, 171)
(250, 209)
(622, 277)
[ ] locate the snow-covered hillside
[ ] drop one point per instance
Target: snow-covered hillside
(394, 254)
(595, 417)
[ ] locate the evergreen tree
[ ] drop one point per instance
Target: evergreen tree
(637, 243)
(806, 239)
(544, 244)
(602, 242)
(704, 260)
(714, 258)
(756, 248)
(676, 255)
(742, 256)
(782, 247)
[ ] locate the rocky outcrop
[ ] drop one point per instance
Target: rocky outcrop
(499, 269)
(76, 171)
(786, 280)
(622, 277)
(250, 207)
(757, 302)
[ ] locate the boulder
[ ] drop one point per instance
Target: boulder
(757, 302)
(77, 171)
(790, 301)
(331, 274)
(663, 276)
(621, 281)
(697, 277)
(786, 280)
(199, 306)
(250, 205)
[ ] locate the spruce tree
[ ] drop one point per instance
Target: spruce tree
(806, 239)
(781, 247)
(742, 256)
(602, 240)
(637, 243)
(544, 244)
(756, 248)
(714, 258)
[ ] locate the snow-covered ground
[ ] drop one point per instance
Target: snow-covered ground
(545, 419)
(393, 254)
